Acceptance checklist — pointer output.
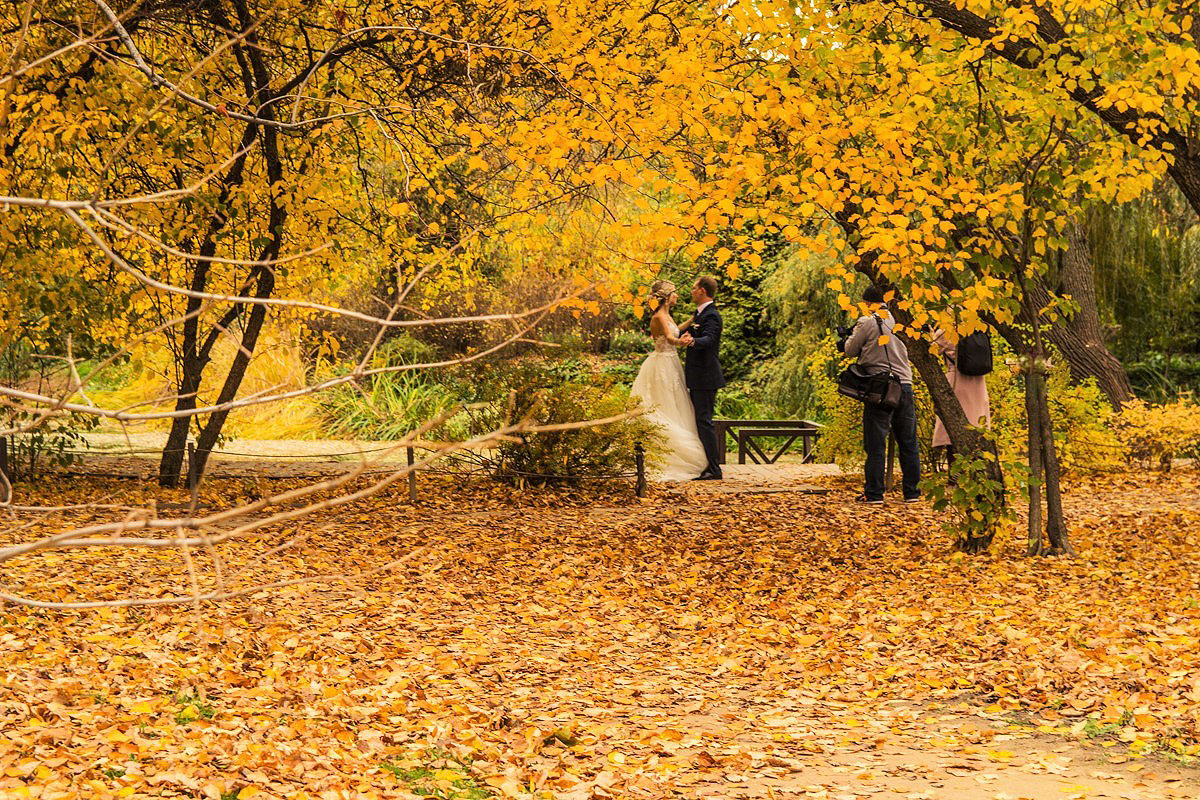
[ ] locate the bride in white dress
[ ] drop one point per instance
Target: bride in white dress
(660, 385)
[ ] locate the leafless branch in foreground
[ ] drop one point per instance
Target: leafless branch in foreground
(240, 522)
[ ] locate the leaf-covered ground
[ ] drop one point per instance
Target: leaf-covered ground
(574, 645)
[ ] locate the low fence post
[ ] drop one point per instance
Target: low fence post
(193, 480)
(6, 482)
(639, 459)
(412, 476)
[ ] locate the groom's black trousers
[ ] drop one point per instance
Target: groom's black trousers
(704, 401)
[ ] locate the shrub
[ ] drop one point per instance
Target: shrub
(389, 407)
(1161, 377)
(56, 441)
(1159, 434)
(736, 402)
(537, 392)
(975, 503)
(622, 371)
(403, 349)
(1083, 435)
(628, 344)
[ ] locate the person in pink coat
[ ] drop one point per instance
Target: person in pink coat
(971, 391)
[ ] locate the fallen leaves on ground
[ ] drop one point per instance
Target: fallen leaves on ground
(576, 645)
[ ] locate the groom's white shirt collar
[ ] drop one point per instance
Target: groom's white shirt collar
(702, 306)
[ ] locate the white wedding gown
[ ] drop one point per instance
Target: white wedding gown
(661, 387)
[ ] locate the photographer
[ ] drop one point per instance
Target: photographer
(863, 342)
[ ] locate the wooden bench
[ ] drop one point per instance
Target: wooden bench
(745, 431)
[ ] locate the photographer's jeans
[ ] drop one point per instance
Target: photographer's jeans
(903, 420)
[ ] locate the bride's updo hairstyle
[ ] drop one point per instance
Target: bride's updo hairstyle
(661, 291)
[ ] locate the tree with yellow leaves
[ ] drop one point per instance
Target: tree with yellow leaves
(239, 161)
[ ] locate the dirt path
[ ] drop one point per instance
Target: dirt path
(114, 455)
(840, 751)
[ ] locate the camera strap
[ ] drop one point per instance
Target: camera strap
(886, 354)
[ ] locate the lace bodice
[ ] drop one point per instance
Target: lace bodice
(661, 345)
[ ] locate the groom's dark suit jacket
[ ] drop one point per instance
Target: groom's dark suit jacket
(702, 369)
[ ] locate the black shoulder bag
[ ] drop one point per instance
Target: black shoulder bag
(878, 389)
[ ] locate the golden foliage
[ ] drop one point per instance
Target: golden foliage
(1157, 434)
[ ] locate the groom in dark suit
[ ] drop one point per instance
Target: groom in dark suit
(702, 369)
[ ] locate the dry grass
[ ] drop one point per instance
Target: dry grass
(278, 365)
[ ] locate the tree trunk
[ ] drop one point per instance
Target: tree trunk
(968, 441)
(1056, 526)
(192, 358)
(237, 371)
(171, 463)
(1080, 338)
(196, 356)
(191, 368)
(264, 275)
(1036, 545)
(1043, 458)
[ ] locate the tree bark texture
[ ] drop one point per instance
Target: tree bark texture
(1036, 542)
(1080, 338)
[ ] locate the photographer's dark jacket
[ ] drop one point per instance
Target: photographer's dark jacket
(864, 343)
(702, 369)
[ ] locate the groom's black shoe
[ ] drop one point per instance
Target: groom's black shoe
(709, 476)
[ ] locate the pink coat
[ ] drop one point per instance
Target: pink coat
(971, 391)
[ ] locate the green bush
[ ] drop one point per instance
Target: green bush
(390, 406)
(403, 349)
(629, 344)
(737, 402)
(622, 371)
(1084, 436)
(55, 442)
(537, 392)
(1159, 378)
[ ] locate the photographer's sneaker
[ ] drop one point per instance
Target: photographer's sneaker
(862, 499)
(916, 499)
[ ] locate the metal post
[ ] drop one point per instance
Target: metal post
(7, 477)
(193, 479)
(412, 476)
(639, 458)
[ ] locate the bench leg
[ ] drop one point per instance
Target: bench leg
(786, 446)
